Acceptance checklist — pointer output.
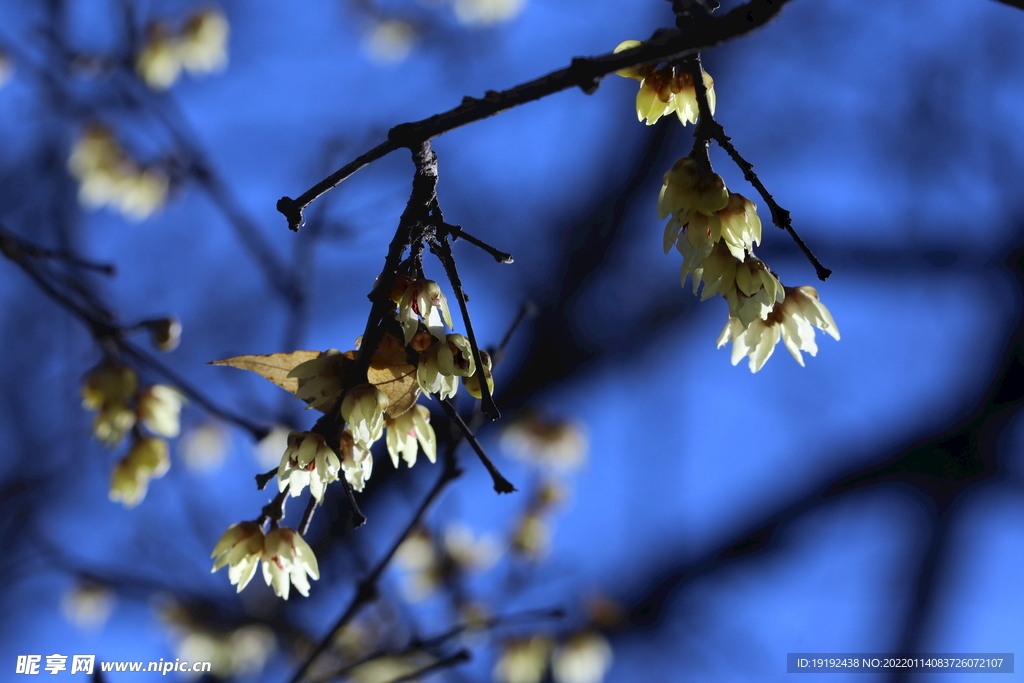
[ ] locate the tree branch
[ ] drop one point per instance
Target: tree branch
(584, 72)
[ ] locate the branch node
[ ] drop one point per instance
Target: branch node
(584, 75)
(292, 211)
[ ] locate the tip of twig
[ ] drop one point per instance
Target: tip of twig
(292, 211)
(503, 485)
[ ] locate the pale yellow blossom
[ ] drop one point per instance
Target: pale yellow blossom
(287, 560)
(409, 432)
(307, 461)
(240, 547)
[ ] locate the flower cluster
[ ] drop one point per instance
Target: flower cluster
(584, 657)
(665, 90)
(287, 558)
(107, 176)
(199, 48)
(715, 231)
(111, 389)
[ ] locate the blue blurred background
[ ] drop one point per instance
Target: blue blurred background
(870, 502)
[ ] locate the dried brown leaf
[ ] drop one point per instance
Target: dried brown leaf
(274, 366)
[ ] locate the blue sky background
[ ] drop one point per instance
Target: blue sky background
(890, 131)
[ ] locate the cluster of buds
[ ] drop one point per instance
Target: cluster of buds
(287, 558)
(111, 389)
(715, 231)
(199, 48)
(584, 657)
(107, 176)
(665, 90)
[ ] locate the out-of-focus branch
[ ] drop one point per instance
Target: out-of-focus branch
(584, 72)
(104, 327)
(1019, 4)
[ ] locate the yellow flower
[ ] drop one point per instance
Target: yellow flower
(240, 548)
(406, 431)
(147, 459)
(455, 356)
(755, 293)
(108, 383)
(523, 661)
(689, 189)
(356, 461)
(739, 225)
(308, 461)
(159, 64)
(202, 47)
(793, 321)
(666, 90)
(159, 408)
(583, 658)
(429, 375)
(287, 559)
(472, 383)
(363, 411)
(422, 300)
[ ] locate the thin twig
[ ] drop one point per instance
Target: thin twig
(263, 479)
(585, 73)
(453, 660)
(418, 644)
(501, 484)
(458, 233)
(709, 129)
(366, 590)
(443, 250)
(307, 516)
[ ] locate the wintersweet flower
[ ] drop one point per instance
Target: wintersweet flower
(287, 559)
(202, 47)
(793, 321)
(113, 383)
(523, 661)
(583, 658)
(472, 383)
(755, 293)
(456, 356)
(159, 408)
(127, 486)
(363, 411)
(158, 64)
(409, 432)
(422, 300)
(429, 375)
(665, 90)
(356, 461)
(689, 188)
(798, 315)
(307, 461)
(240, 548)
(739, 224)
(320, 379)
(148, 458)
(112, 422)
